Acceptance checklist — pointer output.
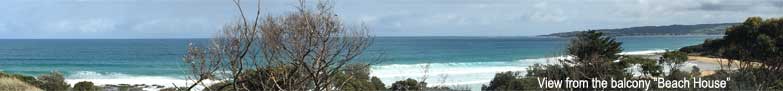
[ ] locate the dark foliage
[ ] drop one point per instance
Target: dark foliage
(53, 82)
(757, 46)
(85, 86)
(593, 56)
(408, 85)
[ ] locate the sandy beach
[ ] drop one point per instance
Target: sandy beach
(710, 64)
(707, 65)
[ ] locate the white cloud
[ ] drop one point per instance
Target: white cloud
(196, 18)
(97, 25)
(92, 25)
(543, 12)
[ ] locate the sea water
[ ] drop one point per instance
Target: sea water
(447, 61)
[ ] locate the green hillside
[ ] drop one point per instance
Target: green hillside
(699, 29)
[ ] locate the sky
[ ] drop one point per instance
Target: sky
(204, 18)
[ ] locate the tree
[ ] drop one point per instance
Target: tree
(755, 48)
(674, 59)
(757, 45)
(302, 50)
(594, 55)
(756, 40)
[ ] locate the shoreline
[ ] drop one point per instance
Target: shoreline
(707, 65)
(471, 74)
(712, 61)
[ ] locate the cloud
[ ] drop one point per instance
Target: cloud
(70, 26)
(542, 12)
(737, 5)
(202, 18)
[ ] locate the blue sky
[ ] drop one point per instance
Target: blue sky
(203, 18)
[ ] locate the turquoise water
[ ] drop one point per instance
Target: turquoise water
(452, 60)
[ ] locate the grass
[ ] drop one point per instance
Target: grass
(12, 84)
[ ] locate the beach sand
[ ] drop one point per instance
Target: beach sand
(708, 59)
(710, 64)
(707, 65)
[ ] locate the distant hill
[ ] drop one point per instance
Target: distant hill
(699, 29)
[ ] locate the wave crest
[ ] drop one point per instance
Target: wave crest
(103, 78)
(465, 73)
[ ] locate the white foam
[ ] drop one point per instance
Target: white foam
(466, 73)
(115, 78)
(645, 52)
(439, 74)
(455, 73)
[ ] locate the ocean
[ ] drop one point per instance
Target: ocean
(451, 60)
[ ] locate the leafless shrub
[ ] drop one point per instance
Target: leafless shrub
(302, 50)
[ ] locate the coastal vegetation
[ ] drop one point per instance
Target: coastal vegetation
(85, 86)
(13, 84)
(53, 81)
(308, 49)
(595, 55)
(752, 50)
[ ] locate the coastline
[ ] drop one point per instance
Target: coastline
(713, 64)
(707, 65)
(456, 76)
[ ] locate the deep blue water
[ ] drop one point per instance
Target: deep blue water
(479, 56)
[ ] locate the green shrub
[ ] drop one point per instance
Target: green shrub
(355, 77)
(85, 86)
(53, 81)
(516, 81)
(510, 81)
(377, 83)
(408, 85)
